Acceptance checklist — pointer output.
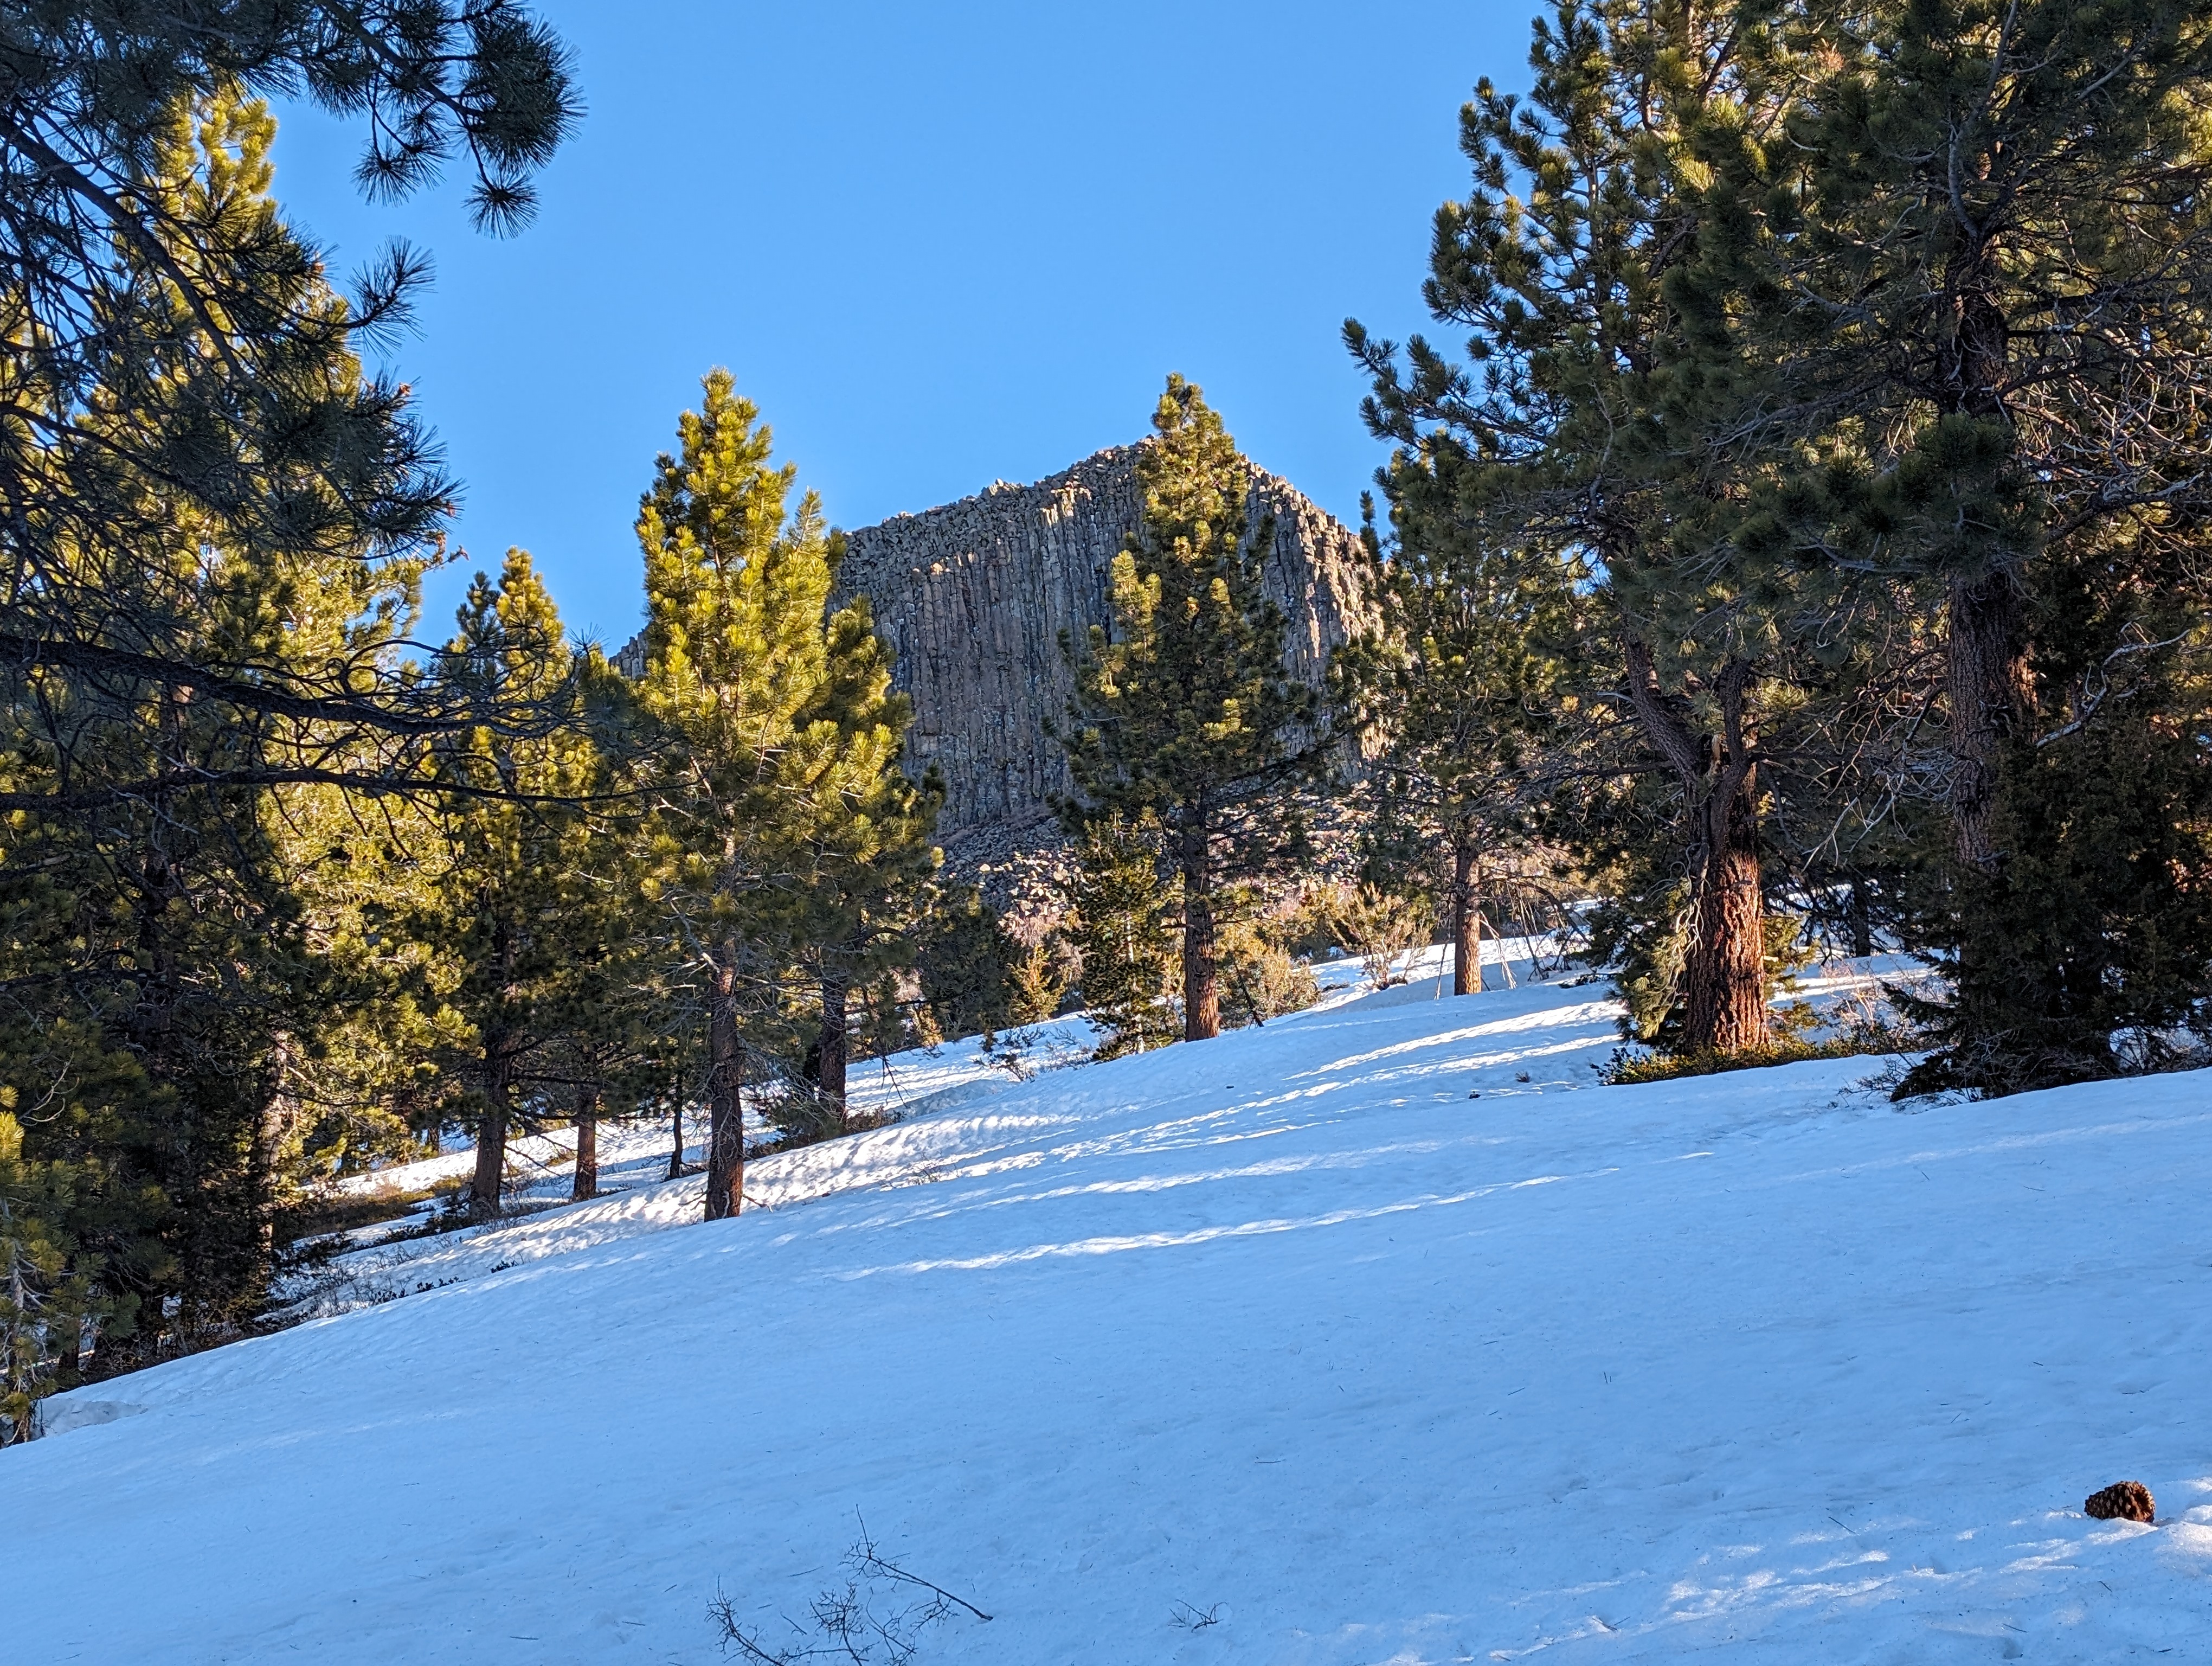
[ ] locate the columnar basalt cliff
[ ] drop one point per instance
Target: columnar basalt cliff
(974, 597)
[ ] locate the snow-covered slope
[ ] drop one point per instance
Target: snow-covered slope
(1286, 1331)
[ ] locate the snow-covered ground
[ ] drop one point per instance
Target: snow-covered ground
(635, 1196)
(1284, 1347)
(389, 1260)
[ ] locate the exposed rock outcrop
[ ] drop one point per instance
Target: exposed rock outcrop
(973, 599)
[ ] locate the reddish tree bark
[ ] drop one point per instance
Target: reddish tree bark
(833, 1049)
(1724, 972)
(1466, 914)
(586, 1186)
(726, 1105)
(490, 1176)
(1201, 990)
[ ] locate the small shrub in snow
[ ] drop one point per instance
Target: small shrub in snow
(1013, 1051)
(1259, 978)
(878, 1617)
(1382, 927)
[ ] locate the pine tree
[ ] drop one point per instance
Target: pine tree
(964, 960)
(48, 1292)
(188, 338)
(1121, 927)
(1457, 694)
(1994, 218)
(358, 1077)
(613, 1023)
(1976, 256)
(214, 521)
(756, 715)
(521, 913)
(1183, 710)
(150, 835)
(2084, 948)
(1559, 263)
(867, 834)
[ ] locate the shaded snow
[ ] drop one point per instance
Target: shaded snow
(1284, 1326)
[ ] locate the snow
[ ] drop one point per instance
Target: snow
(1287, 1330)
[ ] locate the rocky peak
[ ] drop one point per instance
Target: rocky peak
(973, 599)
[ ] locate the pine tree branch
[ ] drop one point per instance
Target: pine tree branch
(372, 784)
(219, 684)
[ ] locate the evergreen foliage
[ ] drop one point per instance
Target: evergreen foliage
(1559, 442)
(217, 525)
(965, 963)
(281, 891)
(1975, 249)
(2084, 949)
(161, 967)
(526, 899)
(1852, 354)
(1460, 695)
(1120, 926)
(1183, 712)
(785, 837)
(48, 1295)
(736, 591)
(1812, 533)
(866, 837)
(178, 367)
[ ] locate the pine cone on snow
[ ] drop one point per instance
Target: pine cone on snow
(2123, 1501)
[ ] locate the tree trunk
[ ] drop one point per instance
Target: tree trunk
(279, 1109)
(833, 1050)
(586, 1186)
(1991, 691)
(1860, 921)
(726, 1099)
(676, 1156)
(1726, 973)
(19, 1354)
(1201, 991)
(491, 1132)
(1466, 919)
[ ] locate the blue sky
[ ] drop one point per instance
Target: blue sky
(937, 247)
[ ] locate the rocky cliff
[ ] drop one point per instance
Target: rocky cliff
(973, 599)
